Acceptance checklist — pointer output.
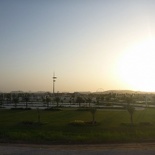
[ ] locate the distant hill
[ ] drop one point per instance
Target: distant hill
(124, 92)
(16, 92)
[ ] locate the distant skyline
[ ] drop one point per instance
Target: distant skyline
(89, 44)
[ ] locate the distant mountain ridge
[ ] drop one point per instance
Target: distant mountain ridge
(125, 92)
(88, 92)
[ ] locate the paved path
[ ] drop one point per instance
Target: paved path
(112, 149)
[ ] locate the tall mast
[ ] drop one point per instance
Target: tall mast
(54, 80)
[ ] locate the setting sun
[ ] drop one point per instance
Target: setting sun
(137, 66)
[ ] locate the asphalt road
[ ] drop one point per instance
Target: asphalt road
(112, 149)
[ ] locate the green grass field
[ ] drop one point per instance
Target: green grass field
(111, 127)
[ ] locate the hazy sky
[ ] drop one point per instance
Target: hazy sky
(89, 44)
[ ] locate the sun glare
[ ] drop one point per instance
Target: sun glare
(136, 66)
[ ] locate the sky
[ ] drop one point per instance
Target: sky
(91, 45)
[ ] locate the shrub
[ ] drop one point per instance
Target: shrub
(27, 122)
(77, 123)
(125, 124)
(83, 109)
(145, 124)
(92, 123)
(53, 109)
(20, 108)
(108, 104)
(30, 123)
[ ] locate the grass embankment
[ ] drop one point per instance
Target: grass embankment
(111, 127)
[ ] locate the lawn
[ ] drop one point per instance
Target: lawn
(113, 126)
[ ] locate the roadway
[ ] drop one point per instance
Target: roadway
(101, 149)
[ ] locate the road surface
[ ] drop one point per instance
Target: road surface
(102, 149)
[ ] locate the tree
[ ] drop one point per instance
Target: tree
(98, 99)
(15, 101)
(26, 98)
(73, 97)
(79, 100)
(57, 100)
(1, 100)
(48, 100)
(131, 109)
(89, 100)
(38, 112)
(93, 112)
(8, 97)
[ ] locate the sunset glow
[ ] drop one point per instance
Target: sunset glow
(137, 66)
